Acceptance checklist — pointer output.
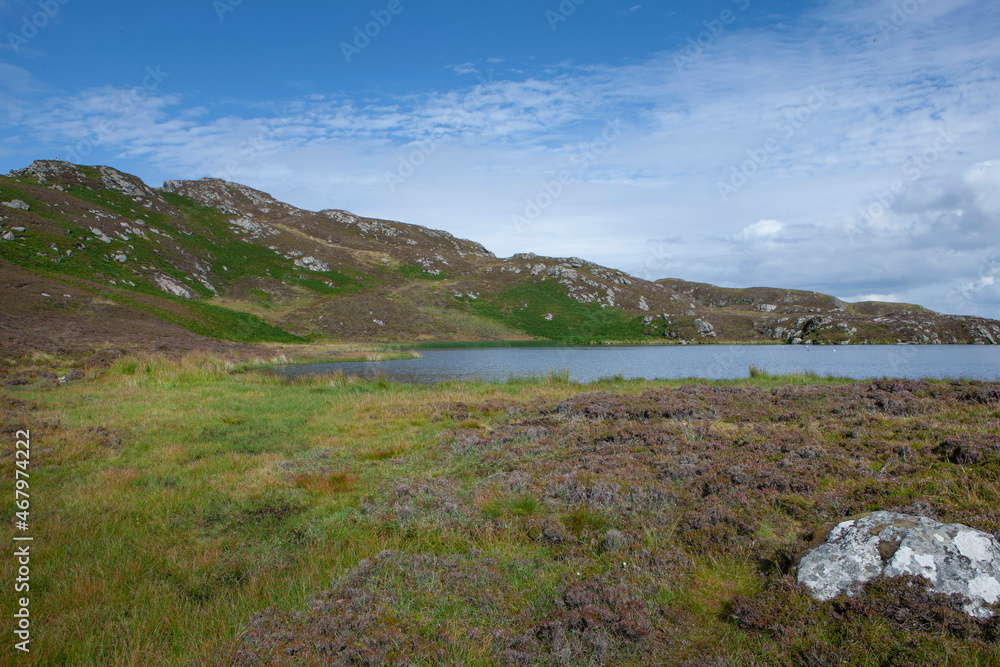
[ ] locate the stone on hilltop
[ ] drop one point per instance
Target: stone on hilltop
(952, 557)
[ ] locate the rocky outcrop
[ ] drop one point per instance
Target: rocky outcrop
(130, 186)
(806, 329)
(705, 328)
(953, 557)
(51, 170)
(255, 230)
(228, 198)
(171, 286)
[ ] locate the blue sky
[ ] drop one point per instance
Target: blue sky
(846, 147)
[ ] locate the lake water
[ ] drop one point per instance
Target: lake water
(585, 364)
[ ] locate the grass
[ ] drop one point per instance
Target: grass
(544, 310)
(231, 259)
(762, 376)
(484, 344)
(241, 259)
(177, 498)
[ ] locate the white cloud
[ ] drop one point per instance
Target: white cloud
(490, 147)
(885, 298)
(761, 231)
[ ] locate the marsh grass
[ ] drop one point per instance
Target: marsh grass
(175, 499)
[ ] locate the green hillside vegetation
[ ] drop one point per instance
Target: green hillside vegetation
(525, 307)
(264, 271)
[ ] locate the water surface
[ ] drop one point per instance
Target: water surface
(586, 364)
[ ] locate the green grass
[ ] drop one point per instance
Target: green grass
(174, 499)
(525, 307)
(235, 258)
(119, 203)
(213, 240)
(482, 344)
(763, 377)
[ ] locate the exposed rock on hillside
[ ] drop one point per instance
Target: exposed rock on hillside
(131, 187)
(229, 198)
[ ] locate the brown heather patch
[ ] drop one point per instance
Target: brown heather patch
(671, 518)
(327, 482)
(897, 619)
(380, 454)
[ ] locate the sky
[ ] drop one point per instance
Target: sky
(846, 147)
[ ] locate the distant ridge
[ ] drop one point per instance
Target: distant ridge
(212, 260)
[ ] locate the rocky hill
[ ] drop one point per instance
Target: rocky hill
(92, 256)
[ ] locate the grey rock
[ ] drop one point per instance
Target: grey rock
(130, 186)
(705, 328)
(561, 273)
(171, 286)
(17, 204)
(954, 558)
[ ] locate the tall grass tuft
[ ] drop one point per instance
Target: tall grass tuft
(761, 375)
(160, 370)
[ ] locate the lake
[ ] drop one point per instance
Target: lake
(586, 364)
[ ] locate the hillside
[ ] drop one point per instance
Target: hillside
(92, 256)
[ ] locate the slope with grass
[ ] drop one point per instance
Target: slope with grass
(225, 262)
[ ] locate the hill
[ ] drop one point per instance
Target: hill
(91, 256)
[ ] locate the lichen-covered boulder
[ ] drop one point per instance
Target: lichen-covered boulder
(953, 557)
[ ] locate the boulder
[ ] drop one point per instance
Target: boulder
(705, 328)
(952, 557)
(17, 204)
